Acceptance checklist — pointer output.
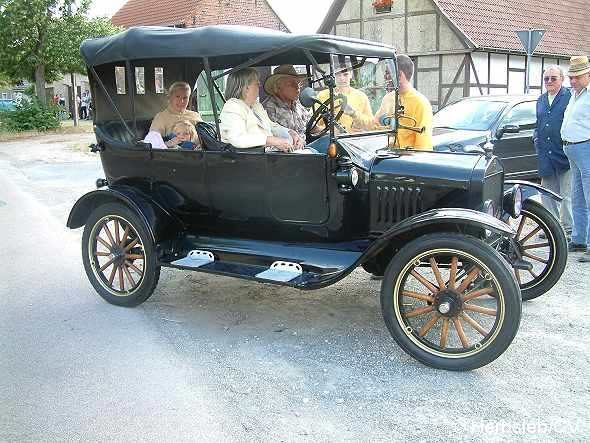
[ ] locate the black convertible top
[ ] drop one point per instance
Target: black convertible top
(225, 46)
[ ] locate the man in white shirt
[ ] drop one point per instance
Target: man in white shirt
(575, 132)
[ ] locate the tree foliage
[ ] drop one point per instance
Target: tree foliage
(40, 39)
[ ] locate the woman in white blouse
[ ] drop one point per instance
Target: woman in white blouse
(243, 121)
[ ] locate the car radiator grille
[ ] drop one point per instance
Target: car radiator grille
(393, 203)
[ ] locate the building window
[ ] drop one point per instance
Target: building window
(120, 79)
(382, 6)
(159, 80)
(139, 80)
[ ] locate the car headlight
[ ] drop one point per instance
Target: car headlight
(354, 176)
(512, 201)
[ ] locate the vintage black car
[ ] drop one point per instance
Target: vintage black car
(430, 223)
(507, 121)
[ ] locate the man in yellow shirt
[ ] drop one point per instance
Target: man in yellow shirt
(415, 104)
(357, 115)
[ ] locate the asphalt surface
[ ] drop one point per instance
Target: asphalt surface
(219, 359)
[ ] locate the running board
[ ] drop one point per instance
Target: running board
(291, 264)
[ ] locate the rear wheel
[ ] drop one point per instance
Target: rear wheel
(451, 301)
(118, 255)
(547, 256)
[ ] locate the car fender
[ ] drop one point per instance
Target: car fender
(157, 220)
(530, 189)
(441, 216)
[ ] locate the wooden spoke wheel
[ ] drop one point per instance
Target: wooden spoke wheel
(542, 244)
(118, 255)
(451, 301)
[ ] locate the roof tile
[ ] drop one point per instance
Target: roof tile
(197, 13)
(492, 24)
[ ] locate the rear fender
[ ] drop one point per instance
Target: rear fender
(159, 222)
(530, 189)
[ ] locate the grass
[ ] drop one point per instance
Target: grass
(67, 127)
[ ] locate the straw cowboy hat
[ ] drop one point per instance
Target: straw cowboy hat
(579, 65)
(280, 72)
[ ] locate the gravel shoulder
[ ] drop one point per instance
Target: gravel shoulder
(286, 365)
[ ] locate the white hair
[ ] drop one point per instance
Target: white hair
(557, 68)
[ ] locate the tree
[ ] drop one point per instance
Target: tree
(40, 39)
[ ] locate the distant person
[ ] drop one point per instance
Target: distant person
(84, 107)
(415, 105)
(575, 132)
(554, 167)
(357, 115)
(164, 121)
(243, 121)
(282, 105)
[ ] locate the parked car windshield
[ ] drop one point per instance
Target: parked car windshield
(475, 115)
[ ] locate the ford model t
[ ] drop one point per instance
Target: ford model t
(435, 225)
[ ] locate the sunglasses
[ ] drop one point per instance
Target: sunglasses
(552, 78)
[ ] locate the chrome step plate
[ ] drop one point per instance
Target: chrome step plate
(195, 259)
(281, 271)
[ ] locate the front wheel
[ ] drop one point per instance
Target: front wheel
(118, 255)
(546, 254)
(451, 301)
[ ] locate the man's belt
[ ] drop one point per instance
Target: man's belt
(566, 143)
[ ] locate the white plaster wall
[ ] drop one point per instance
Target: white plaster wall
(351, 10)
(422, 35)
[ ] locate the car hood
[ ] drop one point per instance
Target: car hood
(444, 139)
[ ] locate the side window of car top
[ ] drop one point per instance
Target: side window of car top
(522, 114)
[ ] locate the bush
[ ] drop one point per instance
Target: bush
(30, 115)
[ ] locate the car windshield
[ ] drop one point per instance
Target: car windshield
(360, 88)
(475, 115)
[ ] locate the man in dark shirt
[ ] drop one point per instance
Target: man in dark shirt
(554, 167)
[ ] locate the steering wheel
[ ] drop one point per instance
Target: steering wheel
(322, 113)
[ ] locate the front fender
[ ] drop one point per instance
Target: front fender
(158, 221)
(441, 216)
(530, 189)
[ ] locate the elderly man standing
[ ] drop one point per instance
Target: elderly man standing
(575, 132)
(282, 105)
(554, 167)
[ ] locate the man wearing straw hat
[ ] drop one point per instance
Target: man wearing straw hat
(575, 133)
(283, 106)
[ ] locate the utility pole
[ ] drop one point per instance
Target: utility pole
(529, 38)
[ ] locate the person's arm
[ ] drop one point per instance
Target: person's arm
(234, 131)
(423, 116)
(386, 108)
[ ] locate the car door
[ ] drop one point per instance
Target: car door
(266, 195)
(517, 150)
(297, 191)
(178, 184)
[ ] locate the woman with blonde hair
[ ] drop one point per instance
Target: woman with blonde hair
(164, 121)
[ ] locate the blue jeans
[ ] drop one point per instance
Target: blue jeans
(561, 184)
(579, 157)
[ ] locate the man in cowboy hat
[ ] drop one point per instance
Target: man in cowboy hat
(282, 105)
(575, 132)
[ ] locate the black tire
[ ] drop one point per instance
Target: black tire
(534, 219)
(119, 256)
(414, 311)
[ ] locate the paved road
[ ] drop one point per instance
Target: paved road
(222, 359)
